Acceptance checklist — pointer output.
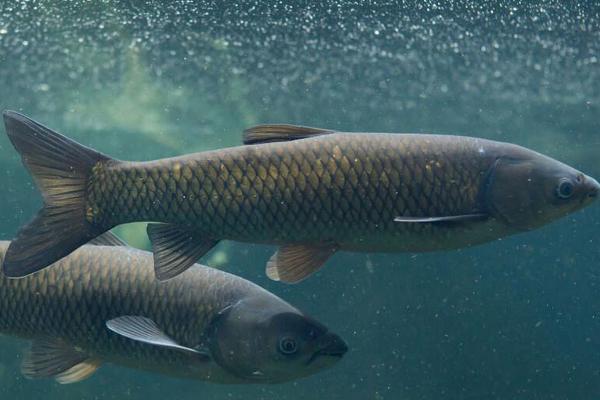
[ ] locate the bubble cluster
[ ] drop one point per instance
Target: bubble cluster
(360, 57)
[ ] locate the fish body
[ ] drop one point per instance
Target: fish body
(311, 191)
(65, 310)
(341, 188)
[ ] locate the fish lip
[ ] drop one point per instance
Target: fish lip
(334, 347)
(332, 353)
(320, 353)
(594, 186)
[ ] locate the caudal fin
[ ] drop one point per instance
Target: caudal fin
(61, 168)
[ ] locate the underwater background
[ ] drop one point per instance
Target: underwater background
(518, 318)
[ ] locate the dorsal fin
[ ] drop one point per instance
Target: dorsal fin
(281, 133)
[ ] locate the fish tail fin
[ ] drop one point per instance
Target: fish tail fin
(61, 169)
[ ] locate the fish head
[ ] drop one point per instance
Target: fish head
(527, 190)
(265, 340)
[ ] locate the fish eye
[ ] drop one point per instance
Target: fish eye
(565, 189)
(288, 345)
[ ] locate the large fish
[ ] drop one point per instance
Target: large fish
(102, 304)
(311, 191)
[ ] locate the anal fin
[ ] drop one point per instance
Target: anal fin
(295, 262)
(176, 248)
(54, 358)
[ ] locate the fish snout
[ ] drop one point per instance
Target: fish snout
(593, 187)
(332, 345)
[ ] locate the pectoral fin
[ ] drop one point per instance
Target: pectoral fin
(449, 218)
(107, 239)
(295, 262)
(280, 133)
(54, 358)
(145, 330)
(176, 248)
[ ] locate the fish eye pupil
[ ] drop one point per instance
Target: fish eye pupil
(287, 345)
(565, 189)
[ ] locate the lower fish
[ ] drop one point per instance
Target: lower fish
(102, 304)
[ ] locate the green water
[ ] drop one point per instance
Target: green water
(518, 318)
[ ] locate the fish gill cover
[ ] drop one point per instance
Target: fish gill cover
(143, 80)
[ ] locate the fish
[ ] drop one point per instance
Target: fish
(312, 192)
(102, 304)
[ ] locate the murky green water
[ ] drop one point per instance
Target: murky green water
(514, 319)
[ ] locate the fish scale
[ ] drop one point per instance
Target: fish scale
(337, 183)
(66, 302)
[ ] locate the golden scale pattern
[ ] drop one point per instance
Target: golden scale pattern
(326, 187)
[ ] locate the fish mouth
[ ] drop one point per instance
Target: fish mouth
(320, 353)
(333, 346)
(594, 187)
